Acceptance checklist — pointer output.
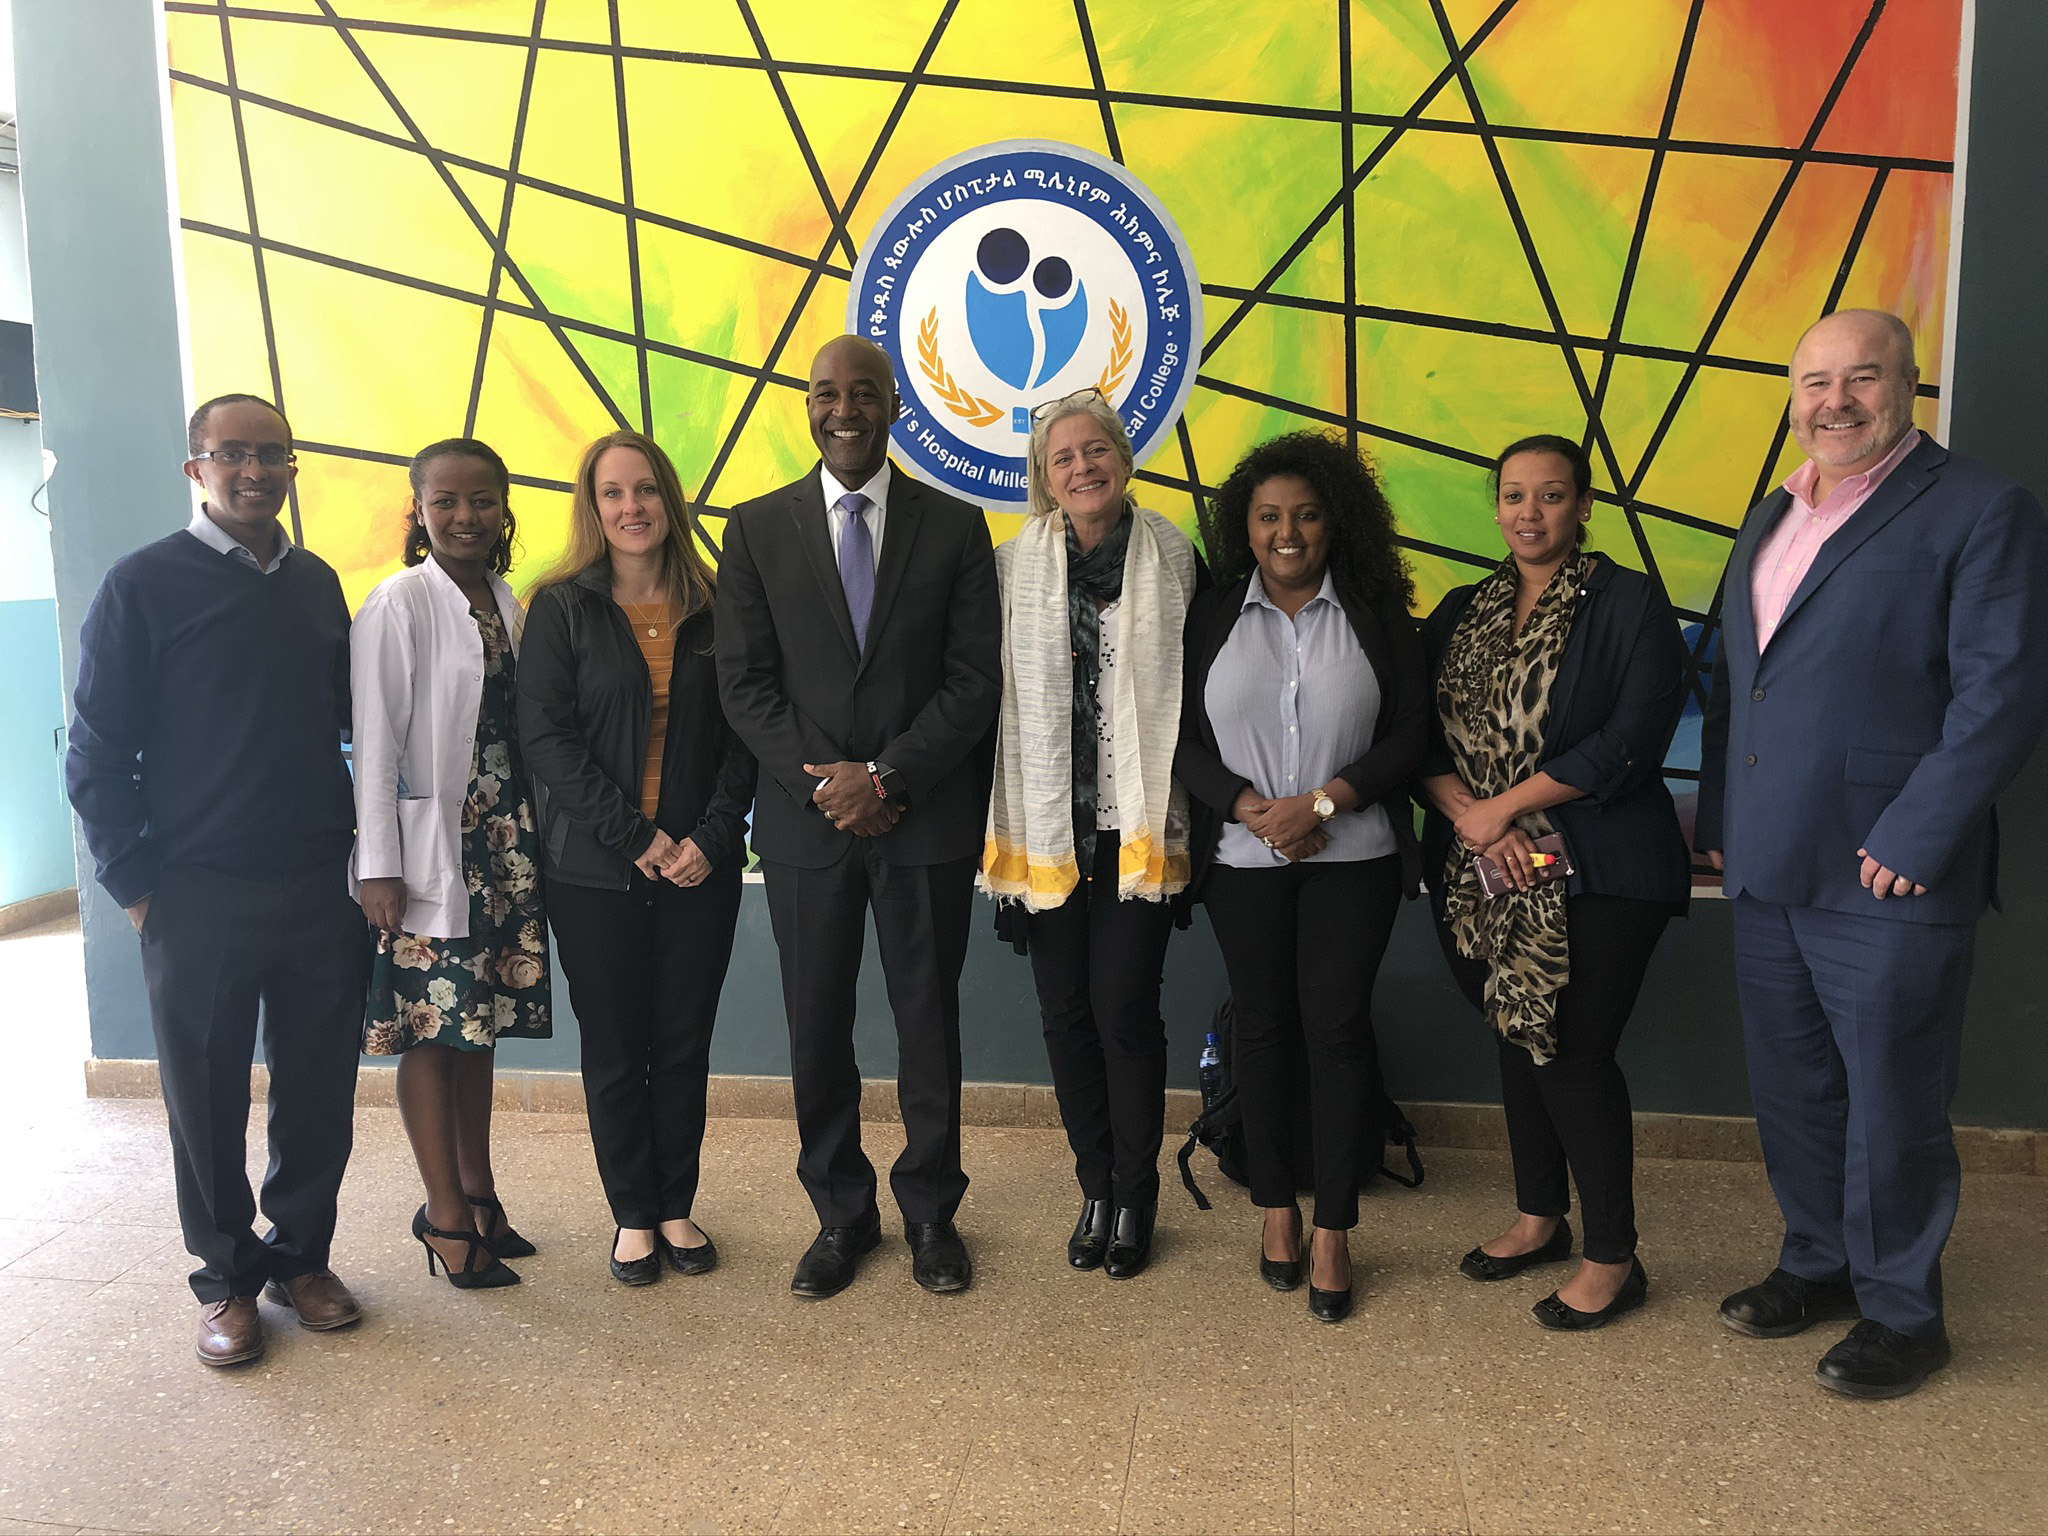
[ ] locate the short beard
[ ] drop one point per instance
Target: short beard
(1883, 433)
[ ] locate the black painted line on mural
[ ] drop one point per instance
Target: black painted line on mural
(1756, 244)
(512, 268)
(1465, 456)
(571, 323)
(810, 283)
(1541, 277)
(1350, 183)
(1505, 331)
(401, 461)
(227, 51)
(1100, 87)
(1697, 675)
(537, 183)
(1639, 234)
(1279, 110)
(1346, 150)
(483, 335)
(835, 216)
(632, 226)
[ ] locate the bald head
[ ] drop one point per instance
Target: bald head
(1876, 332)
(852, 404)
(1853, 380)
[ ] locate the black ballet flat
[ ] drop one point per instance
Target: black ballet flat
(1329, 1306)
(641, 1271)
(1563, 1318)
(1481, 1265)
(700, 1260)
(1281, 1274)
(501, 1239)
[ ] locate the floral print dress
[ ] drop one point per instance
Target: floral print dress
(470, 992)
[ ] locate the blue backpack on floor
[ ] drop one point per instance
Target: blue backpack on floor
(1220, 1126)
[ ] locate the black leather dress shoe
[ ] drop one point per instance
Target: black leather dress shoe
(641, 1271)
(1130, 1246)
(1784, 1304)
(833, 1259)
(1089, 1245)
(938, 1259)
(1481, 1265)
(700, 1260)
(1564, 1318)
(1876, 1361)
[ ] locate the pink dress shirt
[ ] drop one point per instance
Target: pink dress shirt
(1787, 551)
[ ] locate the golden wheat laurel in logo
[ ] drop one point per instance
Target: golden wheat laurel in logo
(952, 394)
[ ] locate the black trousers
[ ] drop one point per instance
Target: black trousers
(645, 966)
(1302, 945)
(1097, 962)
(921, 917)
(219, 955)
(1573, 1113)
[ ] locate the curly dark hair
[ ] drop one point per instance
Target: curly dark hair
(1364, 559)
(417, 546)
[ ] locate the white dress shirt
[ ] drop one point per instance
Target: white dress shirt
(213, 536)
(877, 493)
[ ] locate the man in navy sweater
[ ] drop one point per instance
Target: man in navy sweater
(206, 769)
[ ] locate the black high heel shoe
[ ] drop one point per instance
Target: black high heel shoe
(700, 1260)
(1566, 1318)
(644, 1270)
(1089, 1245)
(501, 1239)
(1282, 1274)
(467, 1278)
(1130, 1243)
(1481, 1265)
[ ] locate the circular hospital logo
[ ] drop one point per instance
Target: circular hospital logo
(1014, 274)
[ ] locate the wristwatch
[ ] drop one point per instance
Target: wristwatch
(1325, 807)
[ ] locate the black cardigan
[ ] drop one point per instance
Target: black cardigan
(1619, 692)
(1392, 647)
(585, 700)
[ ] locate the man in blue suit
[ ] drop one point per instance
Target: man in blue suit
(1883, 623)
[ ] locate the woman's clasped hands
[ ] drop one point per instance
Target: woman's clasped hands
(1486, 827)
(1289, 825)
(679, 863)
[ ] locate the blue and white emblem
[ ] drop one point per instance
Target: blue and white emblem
(1014, 274)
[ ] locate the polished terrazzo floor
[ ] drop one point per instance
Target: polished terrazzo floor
(1189, 1400)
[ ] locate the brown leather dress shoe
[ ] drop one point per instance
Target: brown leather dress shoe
(321, 1300)
(230, 1331)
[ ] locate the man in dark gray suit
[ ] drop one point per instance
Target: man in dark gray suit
(1883, 624)
(859, 657)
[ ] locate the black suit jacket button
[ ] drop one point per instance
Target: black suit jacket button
(1757, 694)
(1751, 759)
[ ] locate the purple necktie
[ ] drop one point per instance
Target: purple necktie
(857, 564)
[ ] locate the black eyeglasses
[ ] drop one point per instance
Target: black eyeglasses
(1040, 412)
(271, 457)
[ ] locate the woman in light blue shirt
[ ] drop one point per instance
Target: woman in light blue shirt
(1306, 711)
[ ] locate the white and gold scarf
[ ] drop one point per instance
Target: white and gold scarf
(1029, 853)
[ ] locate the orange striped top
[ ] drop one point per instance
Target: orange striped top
(654, 627)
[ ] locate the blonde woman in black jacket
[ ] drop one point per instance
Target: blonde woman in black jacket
(647, 793)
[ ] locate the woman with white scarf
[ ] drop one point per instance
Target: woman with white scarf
(1087, 830)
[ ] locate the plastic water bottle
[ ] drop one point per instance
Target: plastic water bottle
(1210, 1071)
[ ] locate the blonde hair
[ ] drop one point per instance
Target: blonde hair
(689, 577)
(1035, 471)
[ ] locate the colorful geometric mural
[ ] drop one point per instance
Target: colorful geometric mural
(1436, 224)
